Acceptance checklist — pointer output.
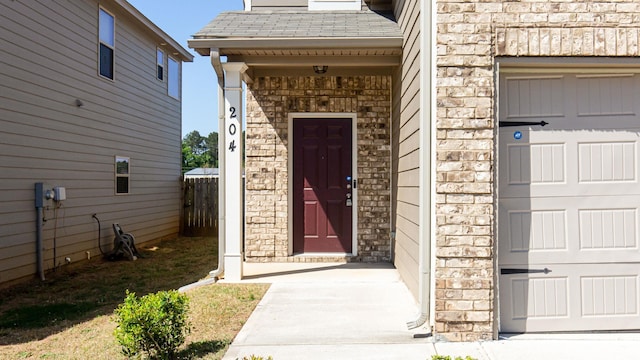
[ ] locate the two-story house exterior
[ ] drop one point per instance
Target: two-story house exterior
(488, 149)
(90, 102)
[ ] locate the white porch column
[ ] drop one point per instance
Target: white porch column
(232, 170)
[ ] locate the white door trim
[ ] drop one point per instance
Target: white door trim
(354, 172)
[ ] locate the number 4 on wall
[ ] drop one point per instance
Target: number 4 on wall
(232, 131)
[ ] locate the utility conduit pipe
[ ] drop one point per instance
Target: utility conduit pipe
(41, 195)
(39, 260)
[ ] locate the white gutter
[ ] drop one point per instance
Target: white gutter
(433, 54)
(427, 178)
(202, 45)
(217, 66)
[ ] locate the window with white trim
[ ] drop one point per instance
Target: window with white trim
(335, 4)
(106, 48)
(122, 175)
(160, 64)
(173, 78)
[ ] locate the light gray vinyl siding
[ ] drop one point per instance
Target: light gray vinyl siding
(48, 60)
(406, 145)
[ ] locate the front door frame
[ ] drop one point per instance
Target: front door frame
(354, 164)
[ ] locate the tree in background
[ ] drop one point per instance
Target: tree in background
(211, 142)
(199, 151)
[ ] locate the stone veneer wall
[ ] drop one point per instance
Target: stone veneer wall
(269, 102)
(469, 36)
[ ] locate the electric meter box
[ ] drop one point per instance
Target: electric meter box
(59, 193)
(44, 195)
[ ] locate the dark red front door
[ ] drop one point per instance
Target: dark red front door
(321, 185)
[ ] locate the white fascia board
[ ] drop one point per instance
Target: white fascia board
(329, 60)
(178, 51)
(203, 45)
(315, 5)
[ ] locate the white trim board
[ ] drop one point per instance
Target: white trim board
(335, 5)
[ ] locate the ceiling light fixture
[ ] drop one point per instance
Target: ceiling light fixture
(320, 69)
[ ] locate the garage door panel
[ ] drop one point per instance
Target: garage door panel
(534, 96)
(609, 162)
(527, 233)
(608, 229)
(568, 202)
(607, 298)
(554, 230)
(609, 295)
(611, 94)
(590, 166)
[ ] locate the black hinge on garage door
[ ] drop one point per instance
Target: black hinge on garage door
(523, 271)
(521, 123)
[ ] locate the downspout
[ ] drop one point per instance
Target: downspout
(215, 274)
(217, 66)
(427, 118)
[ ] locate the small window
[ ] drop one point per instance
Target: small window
(160, 63)
(174, 78)
(122, 175)
(106, 29)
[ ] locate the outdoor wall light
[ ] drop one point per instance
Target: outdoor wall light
(320, 69)
(79, 103)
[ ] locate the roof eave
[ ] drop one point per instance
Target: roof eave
(180, 51)
(203, 45)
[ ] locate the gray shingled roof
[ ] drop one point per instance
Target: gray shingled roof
(301, 24)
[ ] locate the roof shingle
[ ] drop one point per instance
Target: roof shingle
(301, 24)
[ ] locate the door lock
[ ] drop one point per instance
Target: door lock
(349, 201)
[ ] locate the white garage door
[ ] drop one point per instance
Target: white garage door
(569, 198)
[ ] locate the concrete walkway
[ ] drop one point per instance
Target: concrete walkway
(359, 311)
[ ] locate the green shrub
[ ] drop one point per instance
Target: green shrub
(442, 357)
(254, 357)
(155, 323)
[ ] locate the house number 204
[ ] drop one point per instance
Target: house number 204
(232, 129)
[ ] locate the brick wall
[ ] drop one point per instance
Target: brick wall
(269, 102)
(469, 36)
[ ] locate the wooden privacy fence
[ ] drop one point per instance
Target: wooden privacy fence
(199, 207)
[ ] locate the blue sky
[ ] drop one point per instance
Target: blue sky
(181, 19)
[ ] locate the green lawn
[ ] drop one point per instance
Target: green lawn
(70, 315)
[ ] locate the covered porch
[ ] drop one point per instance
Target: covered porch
(315, 91)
